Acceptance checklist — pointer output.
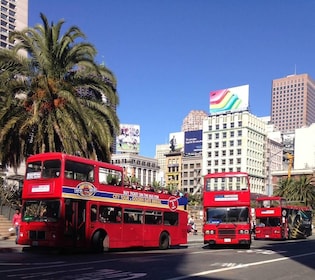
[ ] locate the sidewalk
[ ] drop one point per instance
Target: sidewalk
(8, 245)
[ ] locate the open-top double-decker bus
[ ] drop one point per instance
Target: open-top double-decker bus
(70, 201)
(226, 207)
(276, 219)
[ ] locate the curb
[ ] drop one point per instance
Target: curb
(9, 246)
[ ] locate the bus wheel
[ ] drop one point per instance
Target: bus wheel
(100, 242)
(164, 241)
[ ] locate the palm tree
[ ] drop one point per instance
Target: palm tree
(300, 190)
(304, 191)
(56, 98)
(285, 188)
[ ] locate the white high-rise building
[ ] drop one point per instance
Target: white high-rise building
(304, 148)
(235, 142)
(14, 16)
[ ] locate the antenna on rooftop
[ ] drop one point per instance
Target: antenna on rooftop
(294, 69)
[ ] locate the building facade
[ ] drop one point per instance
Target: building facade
(192, 180)
(236, 142)
(137, 168)
(293, 102)
(173, 174)
(194, 120)
(14, 16)
(304, 147)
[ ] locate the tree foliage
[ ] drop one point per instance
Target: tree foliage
(56, 98)
(297, 190)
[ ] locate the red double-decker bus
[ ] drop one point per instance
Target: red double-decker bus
(69, 201)
(226, 207)
(277, 220)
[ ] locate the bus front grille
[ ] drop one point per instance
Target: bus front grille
(226, 233)
(37, 235)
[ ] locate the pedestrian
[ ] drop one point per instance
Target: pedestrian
(16, 221)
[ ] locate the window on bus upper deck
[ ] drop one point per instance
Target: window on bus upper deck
(216, 184)
(51, 168)
(109, 176)
(79, 171)
(33, 170)
(226, 184)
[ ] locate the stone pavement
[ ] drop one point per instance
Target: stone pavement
(8, 245)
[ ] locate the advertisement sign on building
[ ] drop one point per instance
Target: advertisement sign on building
(193, 142)
(176, 141)
(129, 139)
(229, 99)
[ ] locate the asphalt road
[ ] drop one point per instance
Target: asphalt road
(265, 260)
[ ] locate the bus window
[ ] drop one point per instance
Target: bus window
(33, 170)
(153, 217)
(109, 214)
(171, 218)
(51, 168)
(109, 177)
(133, 216)
(79, 171)
(41, 210)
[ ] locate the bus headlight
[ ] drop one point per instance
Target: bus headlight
(211, 231)
(243, 231)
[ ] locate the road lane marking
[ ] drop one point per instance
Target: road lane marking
(202, 273)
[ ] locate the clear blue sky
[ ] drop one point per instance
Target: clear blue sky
(167, 55)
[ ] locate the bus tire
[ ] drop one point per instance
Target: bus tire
(164, 241)
(100, 242)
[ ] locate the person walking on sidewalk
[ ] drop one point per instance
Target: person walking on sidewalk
(16, 221)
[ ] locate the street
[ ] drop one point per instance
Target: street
(265, 260)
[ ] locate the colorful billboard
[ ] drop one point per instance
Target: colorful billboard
(176, 140)
(193, 142)
(129, 139)
(230, 99)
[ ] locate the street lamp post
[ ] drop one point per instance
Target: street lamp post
(270, 187)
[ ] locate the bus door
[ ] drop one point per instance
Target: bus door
(75, 221)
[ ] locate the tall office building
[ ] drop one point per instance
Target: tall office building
(293, 102)
(14, 16)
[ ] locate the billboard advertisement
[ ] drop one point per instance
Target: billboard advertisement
(129, 139)
(193, 142)
(229, 100)
(176, 141)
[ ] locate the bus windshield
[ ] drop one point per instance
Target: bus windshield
(41, 210)
(227, 215)
(47, 169)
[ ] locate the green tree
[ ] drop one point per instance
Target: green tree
(56, 98)
(304, 191)
(285, 188)
(300, 190)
